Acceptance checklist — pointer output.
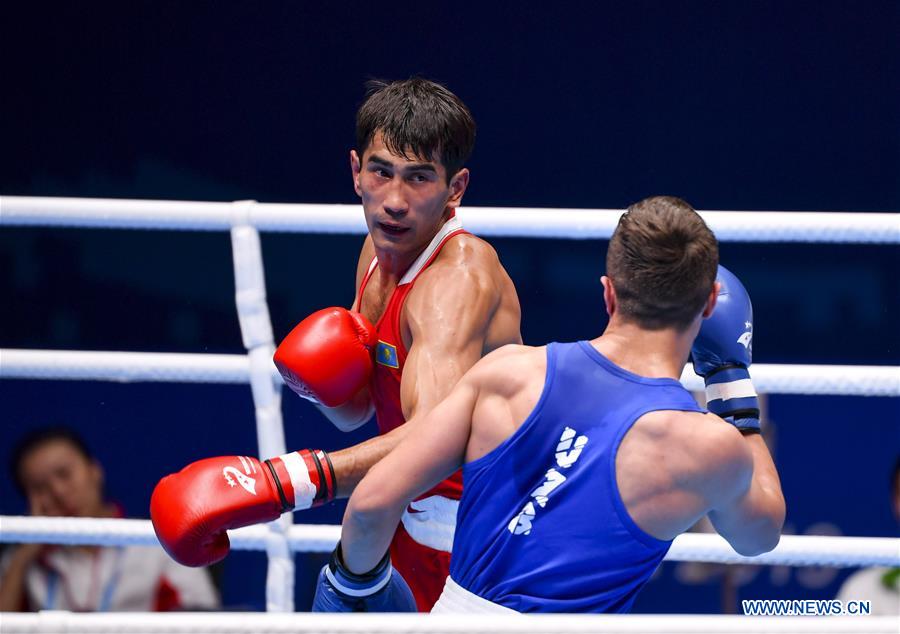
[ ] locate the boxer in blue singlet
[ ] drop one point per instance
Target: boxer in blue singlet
(583, 461)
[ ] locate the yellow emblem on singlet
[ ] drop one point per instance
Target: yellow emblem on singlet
(386, 354)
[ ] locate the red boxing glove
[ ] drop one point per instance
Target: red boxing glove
(327, 357)
(192, 509)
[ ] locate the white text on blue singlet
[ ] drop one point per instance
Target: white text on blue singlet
(567, 453)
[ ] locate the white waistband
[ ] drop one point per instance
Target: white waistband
(432, 521)
(457, 600)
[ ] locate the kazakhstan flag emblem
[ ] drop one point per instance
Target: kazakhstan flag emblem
(386, 354)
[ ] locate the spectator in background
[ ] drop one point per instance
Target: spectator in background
(881, 586)
(59, 477)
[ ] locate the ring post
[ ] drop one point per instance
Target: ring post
(256, 332)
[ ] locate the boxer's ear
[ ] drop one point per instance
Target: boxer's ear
(458, 185)
(609, 295)
(355, 167)
(711, 300)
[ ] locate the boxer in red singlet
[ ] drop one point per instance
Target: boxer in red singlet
(439, 300)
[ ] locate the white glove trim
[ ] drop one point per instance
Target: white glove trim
(727, 391)
(304, 489)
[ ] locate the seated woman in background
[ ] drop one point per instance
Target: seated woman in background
(59, 477)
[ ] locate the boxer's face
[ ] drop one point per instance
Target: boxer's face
(406, 199)
(60, 481)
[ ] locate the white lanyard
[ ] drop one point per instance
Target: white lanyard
(103, 605)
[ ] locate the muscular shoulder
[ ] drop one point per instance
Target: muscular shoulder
(721, 464)
(508, 368)
(466, 249)
(464, 259)
(466, 275)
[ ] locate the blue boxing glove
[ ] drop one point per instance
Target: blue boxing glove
(722, 352)
(380, 590)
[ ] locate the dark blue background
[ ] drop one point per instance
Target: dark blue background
(763, 105)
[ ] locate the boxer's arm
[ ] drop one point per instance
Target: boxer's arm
(746, 503)
(750, 515)
(448, 313)
(434, 447)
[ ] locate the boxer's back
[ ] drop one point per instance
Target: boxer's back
(541, 519)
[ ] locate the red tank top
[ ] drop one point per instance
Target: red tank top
(390, 353)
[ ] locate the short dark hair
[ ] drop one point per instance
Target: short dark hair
(662, 260)
(37, 438)
(419, 116)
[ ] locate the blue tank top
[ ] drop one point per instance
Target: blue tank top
(541, 526)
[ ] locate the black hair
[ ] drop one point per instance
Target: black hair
(419, 116)
(37, 438)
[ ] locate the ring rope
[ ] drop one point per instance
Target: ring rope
(736, 226)
(793, 550)
(846, 380)
(247, 622)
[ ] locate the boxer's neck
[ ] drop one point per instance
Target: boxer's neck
(649, 353)
(393, 265)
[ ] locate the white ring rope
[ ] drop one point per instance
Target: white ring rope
(310, 538)
(247, 622)
(154, 367)
(846, 380)
(793, 550)
(737, 226)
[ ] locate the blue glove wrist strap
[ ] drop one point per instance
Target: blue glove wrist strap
(352, 584)
(731, 395)
(746, 426)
